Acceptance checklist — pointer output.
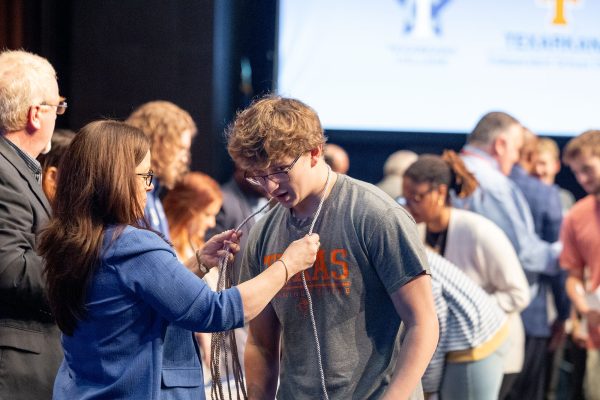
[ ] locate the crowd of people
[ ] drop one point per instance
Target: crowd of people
(465, 275)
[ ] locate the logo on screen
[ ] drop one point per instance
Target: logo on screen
(423, 17)
(558, 9)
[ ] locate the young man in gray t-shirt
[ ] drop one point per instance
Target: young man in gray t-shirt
(370, 273)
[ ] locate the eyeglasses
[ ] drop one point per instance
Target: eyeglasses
(275, 177)
(61, 107)
(416, 198)
(147, 177)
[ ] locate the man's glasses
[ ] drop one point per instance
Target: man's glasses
(275, 177)
(147, 177)
(61, 107)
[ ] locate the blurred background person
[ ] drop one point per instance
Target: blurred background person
(393, 170)
(171, 130)
(30, 102)
(61, 139)
(568, 371)
(492, 150)
(191, 208)
(544, 329)
(580, 235)
(468, 240)
(547, 166)
(337, 158)
(468, 363)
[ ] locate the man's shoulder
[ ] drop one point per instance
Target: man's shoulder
(537, 193)
(488, 176)
(9, 161)
(584, 208)
(12, 179)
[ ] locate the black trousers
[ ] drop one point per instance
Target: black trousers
(531, 382)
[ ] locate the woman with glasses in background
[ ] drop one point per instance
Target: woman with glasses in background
(114, 285)
(471, 242)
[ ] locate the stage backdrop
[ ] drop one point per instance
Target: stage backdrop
(438, 65)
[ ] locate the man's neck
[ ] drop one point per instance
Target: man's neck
(22, 141)
(307, 207)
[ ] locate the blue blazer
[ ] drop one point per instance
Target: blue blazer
(138, 289)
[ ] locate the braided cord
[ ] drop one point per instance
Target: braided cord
(309, 298)
(219, 340)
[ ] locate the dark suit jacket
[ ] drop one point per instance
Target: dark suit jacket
(30, 347)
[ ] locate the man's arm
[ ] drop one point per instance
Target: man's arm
(415, 306)
(261, 357)
(576, 291)
(504, 204)
(21, 280)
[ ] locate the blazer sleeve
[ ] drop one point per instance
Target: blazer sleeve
(148, 267)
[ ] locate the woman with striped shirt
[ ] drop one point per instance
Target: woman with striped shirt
(468, 361)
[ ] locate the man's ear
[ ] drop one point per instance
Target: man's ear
(34, 116)
(315, 154)
(499, 145)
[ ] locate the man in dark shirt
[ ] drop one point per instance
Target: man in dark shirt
(546, 210)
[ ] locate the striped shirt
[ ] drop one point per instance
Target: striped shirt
(468, 316)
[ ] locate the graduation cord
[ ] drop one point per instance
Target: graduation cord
(218, 339)
(308, 296)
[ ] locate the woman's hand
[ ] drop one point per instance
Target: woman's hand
(215, 248)
(301, 254)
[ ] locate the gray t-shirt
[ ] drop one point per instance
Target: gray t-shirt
(369, 249)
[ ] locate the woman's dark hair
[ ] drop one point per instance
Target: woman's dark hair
(447, 170)
(97, 186)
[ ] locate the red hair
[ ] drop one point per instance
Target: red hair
(190, 197)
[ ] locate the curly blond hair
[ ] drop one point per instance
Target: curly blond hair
(273, 128)
(164, 123)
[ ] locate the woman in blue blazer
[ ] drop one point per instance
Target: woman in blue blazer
(114, 285)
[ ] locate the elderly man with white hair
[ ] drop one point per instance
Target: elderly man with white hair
(30, 347)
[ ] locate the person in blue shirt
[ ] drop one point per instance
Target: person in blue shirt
(492, 149)
(546, 210)
(114, 285)
(171, 130)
